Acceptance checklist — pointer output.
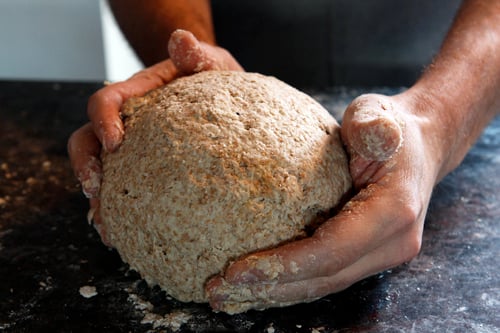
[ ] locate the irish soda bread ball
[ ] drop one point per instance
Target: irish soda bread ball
(214, 166)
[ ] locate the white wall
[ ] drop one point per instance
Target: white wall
(62, 40)
(121, 61)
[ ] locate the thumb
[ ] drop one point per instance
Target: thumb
(370, 128)
(190, 55)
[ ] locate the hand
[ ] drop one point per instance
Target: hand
(394, 169)
(187, 56)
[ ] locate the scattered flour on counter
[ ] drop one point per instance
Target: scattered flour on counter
(490, 300)
(139, 304)
(173, 320)
(88, 291)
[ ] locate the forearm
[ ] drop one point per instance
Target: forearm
(460, 91)
(148, 24)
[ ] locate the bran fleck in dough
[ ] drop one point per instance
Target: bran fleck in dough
(214, 166)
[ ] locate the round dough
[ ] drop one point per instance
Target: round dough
(214, 166)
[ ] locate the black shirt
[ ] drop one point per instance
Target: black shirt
(318, 43)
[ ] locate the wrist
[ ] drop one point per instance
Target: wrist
(440, 127)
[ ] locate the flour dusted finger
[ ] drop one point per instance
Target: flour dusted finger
(374, 133)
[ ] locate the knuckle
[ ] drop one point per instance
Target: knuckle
(410, 211)
(367, 104)
(415, 244)
(412, 246)
(101, 97)
(411, 216)
(70, 144)
(408, 215)
(94, 100)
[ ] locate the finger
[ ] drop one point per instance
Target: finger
(192, 56)
(187, 53)
(370, 129)
(361, 226)
(399, 248)
(231, 298)
(84, 150)
(104, 106)
(236, 299)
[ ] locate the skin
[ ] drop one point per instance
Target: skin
(428, 130)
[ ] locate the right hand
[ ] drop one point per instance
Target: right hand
(105, 129)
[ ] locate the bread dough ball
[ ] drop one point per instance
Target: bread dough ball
(214, 166)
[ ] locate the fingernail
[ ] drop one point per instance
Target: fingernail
(111, 142)
(377, 132)
(381, 139)
(112, 138)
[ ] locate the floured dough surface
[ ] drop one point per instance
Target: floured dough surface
(214, 166)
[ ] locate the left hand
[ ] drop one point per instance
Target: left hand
(381, 226)
(105, 131)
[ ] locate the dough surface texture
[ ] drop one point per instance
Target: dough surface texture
(214, 166)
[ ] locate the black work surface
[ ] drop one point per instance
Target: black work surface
(48, 251)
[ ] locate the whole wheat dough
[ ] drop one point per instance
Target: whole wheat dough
(214, 166)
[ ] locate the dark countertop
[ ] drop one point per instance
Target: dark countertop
(48, 252)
